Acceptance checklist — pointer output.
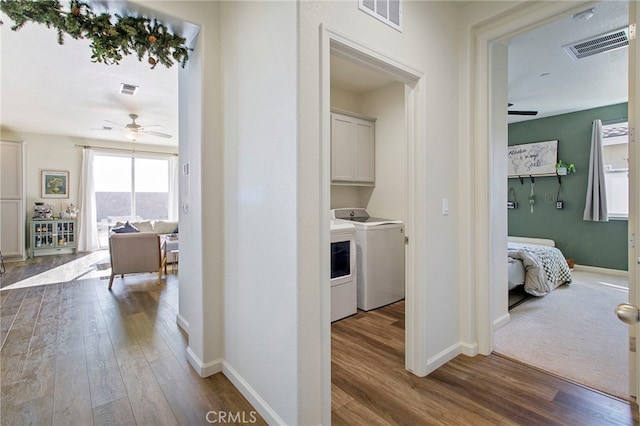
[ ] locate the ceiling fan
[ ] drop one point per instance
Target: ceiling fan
(135, 131)
(521, 112)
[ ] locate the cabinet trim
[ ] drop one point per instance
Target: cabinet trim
(353, 114)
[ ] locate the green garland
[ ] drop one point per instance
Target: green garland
(110, 41)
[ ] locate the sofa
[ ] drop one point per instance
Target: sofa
(160, 227)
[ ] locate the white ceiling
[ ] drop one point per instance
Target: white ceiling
(566, 85)
(53, 89)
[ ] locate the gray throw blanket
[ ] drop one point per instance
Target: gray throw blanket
(545, 268)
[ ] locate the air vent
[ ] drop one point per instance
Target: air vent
(387, 11)
(128, 89)
(599, 44)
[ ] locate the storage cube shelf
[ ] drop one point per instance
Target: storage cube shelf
(52, 236)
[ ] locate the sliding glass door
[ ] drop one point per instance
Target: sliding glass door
(130, 188)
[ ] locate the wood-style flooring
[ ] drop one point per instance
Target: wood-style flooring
(370, 385)
(75, 353)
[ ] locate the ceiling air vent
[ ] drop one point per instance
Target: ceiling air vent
(387, 11)
(128, 89)
(612, 40)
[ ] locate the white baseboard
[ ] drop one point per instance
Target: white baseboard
(182, 323)
(204, 370)
(501, 322)
(270, 416)
(441, 358)
(469, 349)
(599, 270)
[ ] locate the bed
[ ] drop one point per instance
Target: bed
(536, 264)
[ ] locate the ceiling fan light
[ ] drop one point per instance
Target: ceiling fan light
(133, 135)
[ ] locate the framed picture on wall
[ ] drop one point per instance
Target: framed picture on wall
(55, 184)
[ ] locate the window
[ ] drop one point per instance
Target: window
(615, 154)
(130, 188)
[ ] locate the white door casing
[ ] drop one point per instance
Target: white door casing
(634, 192)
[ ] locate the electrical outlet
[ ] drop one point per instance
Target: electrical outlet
(548, 197)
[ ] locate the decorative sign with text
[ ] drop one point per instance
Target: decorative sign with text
(533, 159)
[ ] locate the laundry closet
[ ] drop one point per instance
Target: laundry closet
(368, 177)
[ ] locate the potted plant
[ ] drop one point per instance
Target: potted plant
(563, 168)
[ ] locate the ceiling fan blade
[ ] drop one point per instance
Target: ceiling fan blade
(523, 112)
(117, 124)
(152, 133)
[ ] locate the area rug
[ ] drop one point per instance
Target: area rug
(572, 332)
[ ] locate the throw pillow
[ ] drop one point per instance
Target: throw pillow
(124, 229)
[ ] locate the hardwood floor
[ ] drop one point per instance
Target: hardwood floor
(74, 353)
(370, 385)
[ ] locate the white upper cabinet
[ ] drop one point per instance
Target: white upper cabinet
(352, 149)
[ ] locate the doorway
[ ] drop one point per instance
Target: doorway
(403, 82)
(486, 38)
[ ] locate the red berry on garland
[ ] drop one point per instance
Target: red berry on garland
(152, 39)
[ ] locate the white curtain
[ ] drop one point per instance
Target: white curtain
(174, 188)
(596, 202)
(88, 228)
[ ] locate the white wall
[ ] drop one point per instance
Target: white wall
(387, 105)
(261, 212)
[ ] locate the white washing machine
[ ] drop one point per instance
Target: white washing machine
(343, 270)
(380, 257)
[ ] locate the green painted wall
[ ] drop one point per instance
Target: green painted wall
(602, 244)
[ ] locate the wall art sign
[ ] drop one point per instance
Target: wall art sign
(533, 159)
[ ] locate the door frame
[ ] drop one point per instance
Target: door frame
(487, 100)
(333, 42)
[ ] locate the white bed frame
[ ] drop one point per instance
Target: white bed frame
(533, 241)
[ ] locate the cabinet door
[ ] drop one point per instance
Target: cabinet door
(342, 148)
(12, 225)
(11, 186)
(365, 151)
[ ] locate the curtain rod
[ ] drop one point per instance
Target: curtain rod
(125, 150)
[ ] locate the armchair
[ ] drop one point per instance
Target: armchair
(135, 253)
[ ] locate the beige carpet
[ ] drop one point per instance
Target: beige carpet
(573, 332)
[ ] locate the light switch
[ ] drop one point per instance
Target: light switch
(445, 206)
